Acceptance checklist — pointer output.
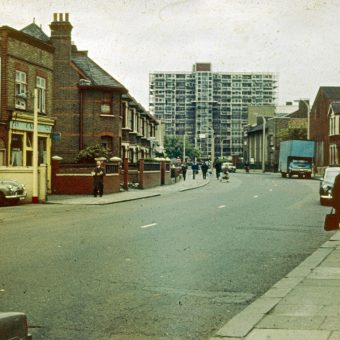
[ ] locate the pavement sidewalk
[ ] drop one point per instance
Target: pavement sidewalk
(304, 305)
(131, 194)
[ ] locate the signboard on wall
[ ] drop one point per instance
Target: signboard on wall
(28, 126)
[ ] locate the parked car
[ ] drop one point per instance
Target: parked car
(230, 166)
(14, 326)
(11, 191)
(326, 185)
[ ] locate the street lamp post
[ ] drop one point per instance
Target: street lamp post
(35, 198)
(263, 144)
(184, 147)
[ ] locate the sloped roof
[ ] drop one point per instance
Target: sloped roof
(35, 31)
(284, 110)
(256, 128)
(331, 92)
(335, 107)
(94, 72)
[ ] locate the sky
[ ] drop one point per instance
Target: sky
(296, 39)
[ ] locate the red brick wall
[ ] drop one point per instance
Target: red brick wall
(319, 128)
(73, 184)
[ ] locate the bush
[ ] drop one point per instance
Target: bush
(89, 154)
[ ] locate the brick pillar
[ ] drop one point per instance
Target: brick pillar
(141, 173)
(126, 173)
(54, 171)
(162, 166)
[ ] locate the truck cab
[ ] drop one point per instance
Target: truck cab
(300, 167)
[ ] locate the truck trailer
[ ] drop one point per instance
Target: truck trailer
(296, 158)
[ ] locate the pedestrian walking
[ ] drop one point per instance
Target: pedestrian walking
(184, 169)
(98, 174)
(336, 196)
(218, 167)
(246, 167)
(204, 168)
(194, 168)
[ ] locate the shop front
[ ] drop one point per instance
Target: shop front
(20, 142)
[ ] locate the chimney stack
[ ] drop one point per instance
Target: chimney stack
(61, 36)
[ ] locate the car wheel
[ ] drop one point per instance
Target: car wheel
(2, 198)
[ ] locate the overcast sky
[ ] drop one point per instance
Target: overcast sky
(297, 39)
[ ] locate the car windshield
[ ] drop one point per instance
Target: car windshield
(301, 163)
(330, 175)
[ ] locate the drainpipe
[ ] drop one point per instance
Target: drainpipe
(81, 120)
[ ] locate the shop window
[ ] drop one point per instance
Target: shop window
(17, 150)
(41, 87)
(42, 150)
(20, 90)
(2, 152)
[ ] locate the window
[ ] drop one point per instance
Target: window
(20, 90)
(2, 152)
(41, 87)
(17, 150)
(107, 142)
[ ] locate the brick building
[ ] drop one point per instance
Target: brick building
(138, 131)
(325, 126)
(26, 60)
(91, 106)
(87, 100)
(254, 148)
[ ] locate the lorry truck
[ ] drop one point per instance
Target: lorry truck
(296, 158)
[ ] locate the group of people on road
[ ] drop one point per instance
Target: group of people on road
(204, 166)
(195, 166)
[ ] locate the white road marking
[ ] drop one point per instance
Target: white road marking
(256, 196)
(148, 225)
(221, 206)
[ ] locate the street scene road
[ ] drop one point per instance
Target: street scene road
(177, 266)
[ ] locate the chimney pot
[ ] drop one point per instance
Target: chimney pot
(66, 17)
(61, 17)
(55, 16)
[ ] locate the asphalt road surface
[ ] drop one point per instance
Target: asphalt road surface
(176, 266)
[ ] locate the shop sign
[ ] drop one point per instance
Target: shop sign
(28, 126)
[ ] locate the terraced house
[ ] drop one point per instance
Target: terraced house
(26, 59)
(91, 106)
(79, 103)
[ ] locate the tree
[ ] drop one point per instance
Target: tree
(89, 154)
(174, 148)
(292, 133)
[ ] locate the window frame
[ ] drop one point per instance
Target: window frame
(41, 85)
(20, 90)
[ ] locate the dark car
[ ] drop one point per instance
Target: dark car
(11, 191)
(326, 185)
(13, 326)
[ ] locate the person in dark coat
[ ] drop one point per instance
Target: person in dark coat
(204, 168)
(184, 169)
(218, 167)
(336, 196)
(98, 174)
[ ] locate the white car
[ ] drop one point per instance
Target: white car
(326, 185)
(230, 166)
(11, 191)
